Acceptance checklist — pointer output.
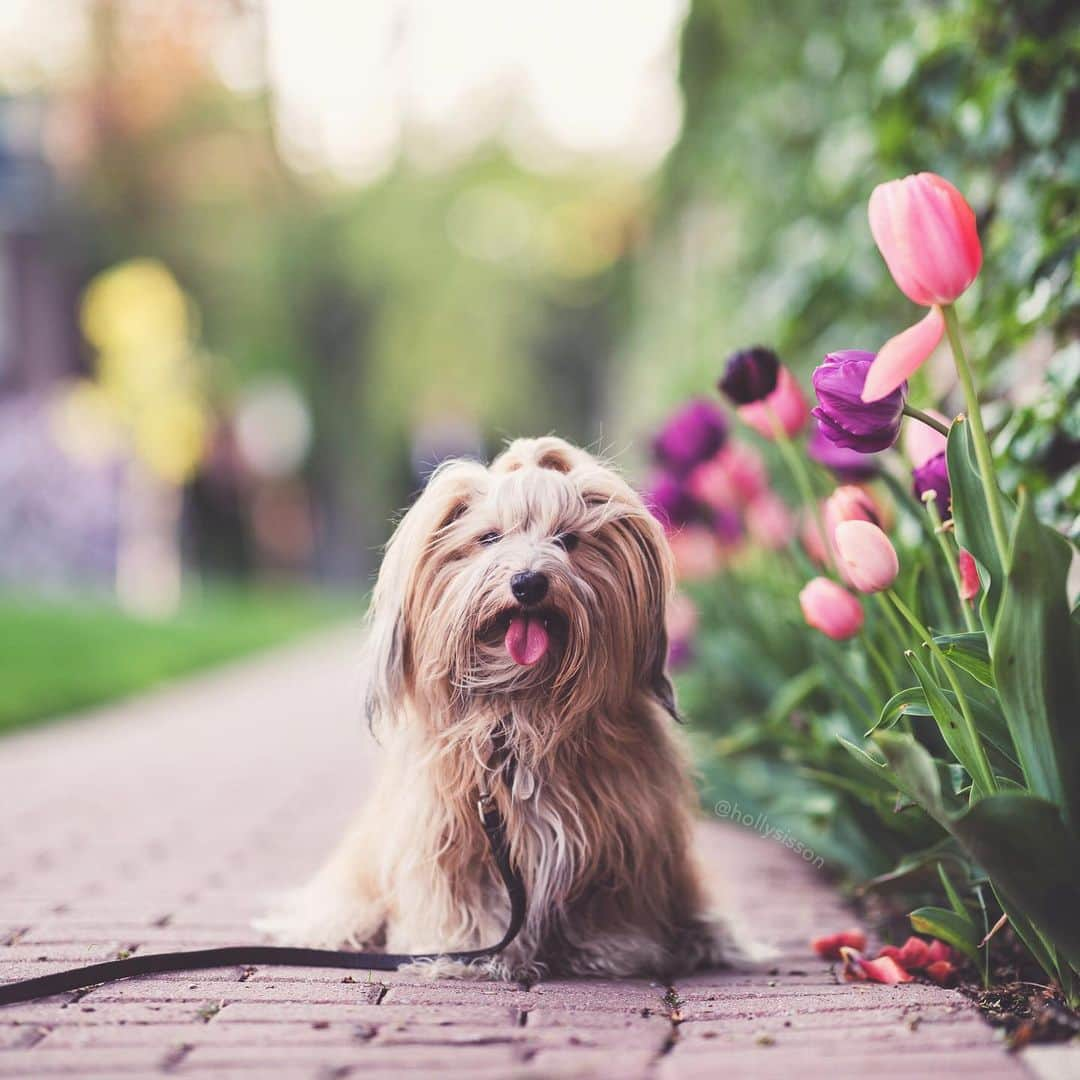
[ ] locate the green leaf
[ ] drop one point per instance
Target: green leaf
(1033, 861)
(970, 653)
(909, 702)
(1037, 663)
(914, 772)
(973, 529)
(950, 722)
(951, 893)
(956, 930)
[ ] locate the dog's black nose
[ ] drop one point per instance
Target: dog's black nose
(530, 586)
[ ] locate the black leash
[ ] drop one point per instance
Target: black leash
(233, 955)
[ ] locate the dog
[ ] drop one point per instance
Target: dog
(522, 606)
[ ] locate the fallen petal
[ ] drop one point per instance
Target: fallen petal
(942, 972)
(914, 954)
(829, 947)
(901, 356)
(884, 970)
(937, 951)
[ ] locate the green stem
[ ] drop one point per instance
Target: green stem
(882, 666)
(797, 468)
(978, 436)
(894, 624)
(950, 558)
(985, 776)
(927, 419)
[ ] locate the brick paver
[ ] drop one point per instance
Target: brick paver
(166, 822)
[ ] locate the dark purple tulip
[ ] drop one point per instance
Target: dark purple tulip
(847, 465)
(934, 476)
(670, 503)
(750, 375)
(691, 436)
(844, 417)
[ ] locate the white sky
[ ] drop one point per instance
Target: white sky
(358, 81)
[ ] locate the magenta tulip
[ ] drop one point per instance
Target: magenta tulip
(831, 609)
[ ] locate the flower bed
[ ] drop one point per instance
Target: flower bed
(891, 662)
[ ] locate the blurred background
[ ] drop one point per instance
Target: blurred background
(264, 263)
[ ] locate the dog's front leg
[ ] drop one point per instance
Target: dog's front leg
(342, 906)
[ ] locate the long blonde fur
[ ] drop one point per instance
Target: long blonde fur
(599, 812)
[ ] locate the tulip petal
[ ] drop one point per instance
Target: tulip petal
(942, 972)
(828, 947)
(901, 356)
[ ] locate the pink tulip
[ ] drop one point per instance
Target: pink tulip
(697, 552)
(927, 234)
(901, 356)
(850, 503)
(831, 609)
(969, 577)
(710, 483)
(786, 405)
(770, 522)
(747, 470)
(868, 558)
(812, 540)
(682, 617)
(922, 442)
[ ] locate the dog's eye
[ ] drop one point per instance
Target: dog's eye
(488, 538)
(567, 541)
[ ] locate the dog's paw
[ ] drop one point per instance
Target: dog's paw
(318, 919)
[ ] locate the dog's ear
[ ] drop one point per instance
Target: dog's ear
(394, 601)
(654, 579)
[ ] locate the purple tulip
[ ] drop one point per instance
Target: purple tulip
(847, 465)
(680, 653)
(670, 502)
(933, 476)
(692, 435)
(845, 418)
(728, 526)
(750, 375)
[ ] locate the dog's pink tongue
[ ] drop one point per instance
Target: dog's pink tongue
(526, 639)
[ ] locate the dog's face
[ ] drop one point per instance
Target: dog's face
(543, 577)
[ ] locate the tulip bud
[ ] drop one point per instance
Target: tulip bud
(831, 609)
(933, 476)
(969, 577)
(785, 406)
(692, 435)
(842, 414)
(869, 560)
(750, 375)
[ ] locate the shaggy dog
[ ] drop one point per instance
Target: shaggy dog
(517, 647)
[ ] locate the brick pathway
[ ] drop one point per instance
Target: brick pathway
(164, 822)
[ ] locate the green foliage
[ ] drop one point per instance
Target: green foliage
(62, 656)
